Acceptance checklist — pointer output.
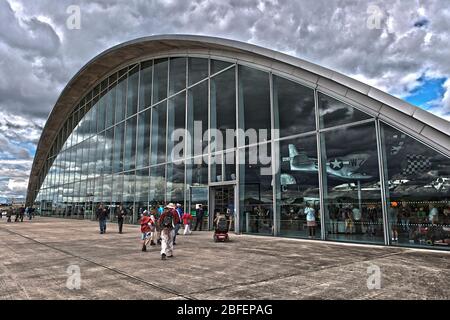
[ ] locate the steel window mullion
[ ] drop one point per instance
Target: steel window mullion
(383, 190)
(321, 176)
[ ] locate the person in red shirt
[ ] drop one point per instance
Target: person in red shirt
(187, 218)
(168, 220)
(146, 227)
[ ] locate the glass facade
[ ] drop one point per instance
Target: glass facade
(294, 161)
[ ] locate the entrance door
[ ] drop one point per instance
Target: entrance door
(198, 196)
(223, 200)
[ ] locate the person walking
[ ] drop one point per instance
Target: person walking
(187, 218)
(167, 221)
(102, 215)
(146, 223)
(199, 212)
(121, 213)
(179, 210)
(9, 213)
(154, 232)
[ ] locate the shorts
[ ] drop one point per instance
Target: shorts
(311, 223)
(145, 235)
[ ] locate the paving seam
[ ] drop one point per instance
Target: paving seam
(296, 274)
(106, 267)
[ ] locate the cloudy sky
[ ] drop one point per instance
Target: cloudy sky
(401, 47)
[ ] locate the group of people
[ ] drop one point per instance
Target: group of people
(355, 219)
(19, 213)
(420, 222)
(159, 225)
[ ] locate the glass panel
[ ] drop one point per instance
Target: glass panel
(297, 188)
(160, 80)
(101, 114)
(223, 107)
(109, 142)
(198, 119)
(129, 158)
(143, 147)
(128, 194)
(254, 104)
(117, 194)
(216, 167)
(107, 189)
(352, 185)
(111, 106)
(121, 99)
(229, 166)
(333, 112)
(118, 147)
(177, 77)
(256, 193)
(175, 183)
(418, 180)
(176, 127)
(142, 189)
(145, 87)
(132, 92)
(198, 69)
(158, 149)
(217, 65)
(157, 185)
(293, 107)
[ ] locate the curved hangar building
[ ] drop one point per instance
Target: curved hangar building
(318, 154)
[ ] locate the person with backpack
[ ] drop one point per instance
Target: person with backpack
(167, 221)
(179, 210)
(187, 218)
(146, 224)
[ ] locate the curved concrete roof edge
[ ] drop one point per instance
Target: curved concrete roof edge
(430, 121)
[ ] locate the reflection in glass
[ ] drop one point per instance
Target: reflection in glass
(254, 103)
(157, 185)
(159, 80)
(293, 107)
(143, 136)
(158, 149)
(198, 69)
(352, 194)
(177, 76)
(197, 119)
(145, 86)
(118, 147)
(418, 191)
(176, 127)
(218, 65)
(256, 194)
(175, 183)
(132, 91)
(121, 99)
(223, 105)
(297, 188)
(333, 112)
(129, 158)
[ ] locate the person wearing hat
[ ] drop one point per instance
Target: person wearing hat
(146, 223)
(168, 220)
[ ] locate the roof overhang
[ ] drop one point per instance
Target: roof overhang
(414, 120)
